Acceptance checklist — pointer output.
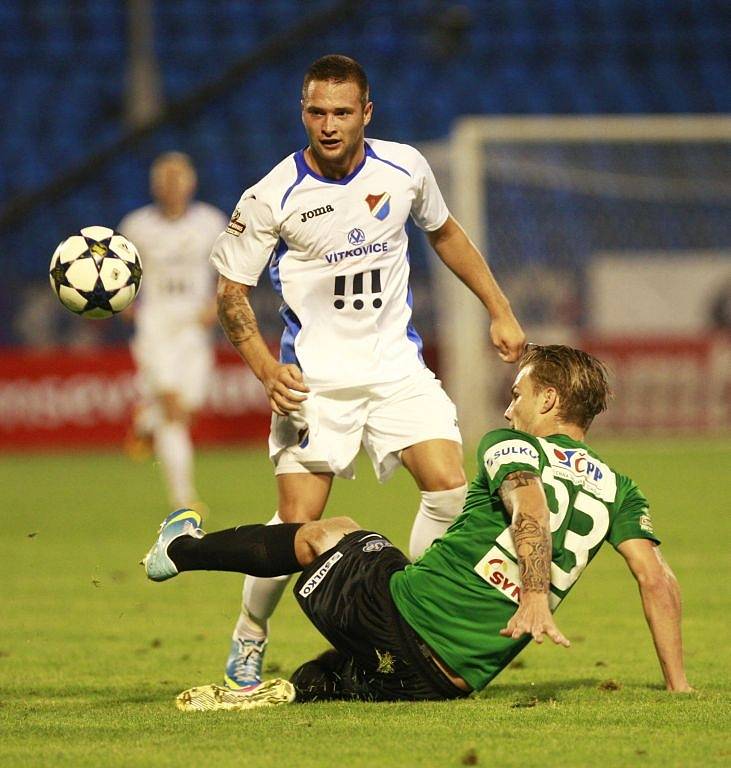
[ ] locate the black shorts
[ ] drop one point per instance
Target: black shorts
(345, 594)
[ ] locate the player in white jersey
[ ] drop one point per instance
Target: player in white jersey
(172, 343)
(329, 220)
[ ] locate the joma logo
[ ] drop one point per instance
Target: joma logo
(317, 212)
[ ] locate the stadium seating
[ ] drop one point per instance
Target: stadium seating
(428, 63)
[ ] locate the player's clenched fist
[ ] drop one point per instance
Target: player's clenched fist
(507, 337)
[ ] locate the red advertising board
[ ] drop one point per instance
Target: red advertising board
(63, 398)
(667, 385)
(68, 398)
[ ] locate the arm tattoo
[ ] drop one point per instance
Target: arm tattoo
(235, 313)
(511, 482)
(531, 537)
(533, 545)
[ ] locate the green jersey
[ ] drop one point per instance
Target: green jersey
(466, 586)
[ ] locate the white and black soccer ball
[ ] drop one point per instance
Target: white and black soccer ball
(96, 272)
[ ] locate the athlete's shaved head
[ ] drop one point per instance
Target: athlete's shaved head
(580, 380)
(337, 69)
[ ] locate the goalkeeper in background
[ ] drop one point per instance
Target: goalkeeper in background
(542, 504)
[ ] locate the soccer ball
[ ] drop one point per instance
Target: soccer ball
(96, 272)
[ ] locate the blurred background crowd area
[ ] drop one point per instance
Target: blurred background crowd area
(580, 234)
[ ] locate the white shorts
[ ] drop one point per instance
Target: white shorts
(180, 362)
(385, 418)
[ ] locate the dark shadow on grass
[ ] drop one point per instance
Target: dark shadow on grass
(539, 691)
(518, 695)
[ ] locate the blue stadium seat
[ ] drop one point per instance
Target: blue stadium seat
(67, 61)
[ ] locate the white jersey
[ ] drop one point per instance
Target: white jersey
(338, 255)
(177, 282)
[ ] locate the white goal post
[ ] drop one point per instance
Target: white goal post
(470, 369)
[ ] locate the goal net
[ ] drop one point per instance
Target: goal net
(612, 233)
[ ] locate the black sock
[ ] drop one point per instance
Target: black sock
(258, 550)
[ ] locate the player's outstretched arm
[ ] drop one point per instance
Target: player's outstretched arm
(660, 595)
(459, 253)
(524, 499)
(237, 318)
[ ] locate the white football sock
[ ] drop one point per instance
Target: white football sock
(260, 598)
(436, 513)
(174, 449)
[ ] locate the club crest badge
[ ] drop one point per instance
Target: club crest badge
(380, 205)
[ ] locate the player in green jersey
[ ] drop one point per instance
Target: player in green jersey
(542, 504)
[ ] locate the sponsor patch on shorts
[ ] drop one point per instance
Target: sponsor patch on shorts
(316, 579)
(376, 546)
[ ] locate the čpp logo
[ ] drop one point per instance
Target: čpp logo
(578, 461)
(570, 459)
(356, 236)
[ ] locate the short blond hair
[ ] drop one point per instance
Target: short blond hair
(579, 378)
(172, 157)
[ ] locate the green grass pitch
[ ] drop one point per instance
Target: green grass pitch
(92, 655)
